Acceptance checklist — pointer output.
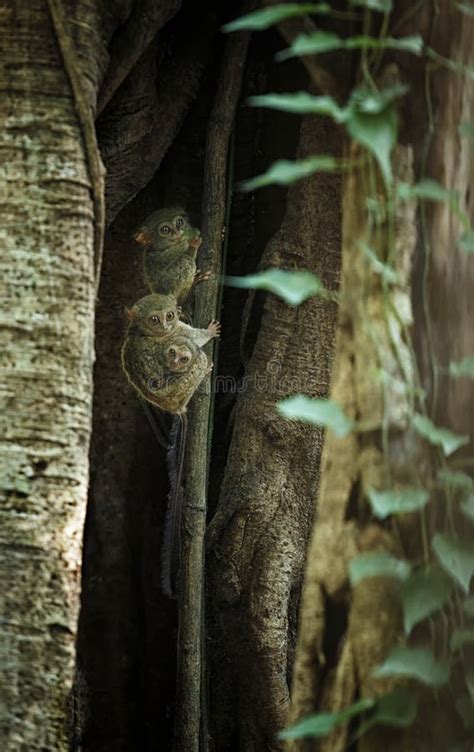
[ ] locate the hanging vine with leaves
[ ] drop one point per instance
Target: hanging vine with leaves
(404, 476)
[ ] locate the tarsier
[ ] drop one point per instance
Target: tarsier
(171, 245)
(162, 356)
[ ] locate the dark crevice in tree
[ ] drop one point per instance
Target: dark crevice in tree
(352, 511)
(336, 610)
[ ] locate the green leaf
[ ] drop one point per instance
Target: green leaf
(322, 412)
(416, 663)
(284, 172)
(372, 121)
(413, 44)
(311, 44)
(467, 8)
(422, 594)
(398, 708)
(374, 102)
(468, 606)
(396, 501)
(466, 242)
(377, 564)
(442, 437)
(462, 368)
(468, 506)
(427, 190)
(461, 637)
(455, 557)
(378, 133)
(455, 479)
(385, 270)
(384, 6)
(300, 102)
(323, 41)
(323, 723)
(265, 17)
(293, 286)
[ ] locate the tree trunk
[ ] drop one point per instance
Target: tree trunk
(346, 631)
(257, 538)
(47, 351)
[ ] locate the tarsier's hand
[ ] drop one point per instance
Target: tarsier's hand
(201, 276)
(195, 242)
(193, 237)
(214, 328)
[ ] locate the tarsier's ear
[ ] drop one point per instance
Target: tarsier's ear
(143, 236)
(130, 313)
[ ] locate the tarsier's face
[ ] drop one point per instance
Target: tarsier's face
(162, 321)
(165, 228)
(177, 357)
(173, 228)
(154, 315)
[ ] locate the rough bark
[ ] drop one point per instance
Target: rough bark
(258, 535)
(131, 41)
(47, 353)
(374, 333)
(145, 116)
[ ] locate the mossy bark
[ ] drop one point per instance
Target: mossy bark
(47, 271)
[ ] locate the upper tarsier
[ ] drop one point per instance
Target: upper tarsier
(171, 245)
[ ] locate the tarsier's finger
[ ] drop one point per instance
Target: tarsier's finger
(201, 276)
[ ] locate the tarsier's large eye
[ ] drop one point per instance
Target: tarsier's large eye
(179, 222)
(172, 352)
(153, 384)
(165, 230)
(184, 358)
(154, 320)
(170, 316)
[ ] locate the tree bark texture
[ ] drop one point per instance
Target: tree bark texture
(257, 537)
(347, 631)
(47, 355)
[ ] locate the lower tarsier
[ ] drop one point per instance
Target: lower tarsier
(162, 356)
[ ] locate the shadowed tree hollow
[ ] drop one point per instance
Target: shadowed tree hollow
(327, 508)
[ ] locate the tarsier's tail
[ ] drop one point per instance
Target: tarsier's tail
(170, 554)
